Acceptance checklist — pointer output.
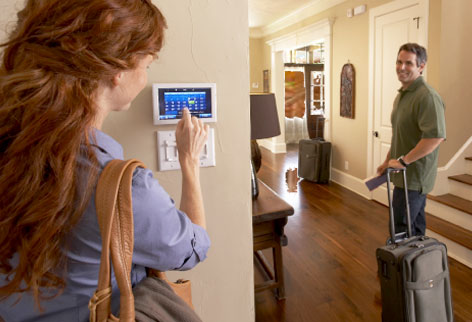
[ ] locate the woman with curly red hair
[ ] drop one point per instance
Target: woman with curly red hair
(65, 66)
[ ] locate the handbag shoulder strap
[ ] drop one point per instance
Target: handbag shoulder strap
(115, 219)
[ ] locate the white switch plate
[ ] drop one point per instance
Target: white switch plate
(168, 156)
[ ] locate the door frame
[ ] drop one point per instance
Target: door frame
(374, 14)
(321, 30)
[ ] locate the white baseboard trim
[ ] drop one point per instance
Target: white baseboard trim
(274, 147)
(350, 182)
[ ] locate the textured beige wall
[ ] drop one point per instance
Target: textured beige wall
(455, 73)
(207, 41)
(434, 41)
(350, 42)
(256, 59)
(8, 11)
(202, 46)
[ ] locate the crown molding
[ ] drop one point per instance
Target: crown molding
(296, 16)
(303, 36)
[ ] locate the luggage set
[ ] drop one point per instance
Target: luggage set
(314, 160)
(413, 273)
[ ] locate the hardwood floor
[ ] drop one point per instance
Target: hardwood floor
(330, 265)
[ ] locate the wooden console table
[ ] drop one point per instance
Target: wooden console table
(269, 216)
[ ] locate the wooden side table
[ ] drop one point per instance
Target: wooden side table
(269, 216)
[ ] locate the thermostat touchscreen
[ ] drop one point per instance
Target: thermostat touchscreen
(173, 100)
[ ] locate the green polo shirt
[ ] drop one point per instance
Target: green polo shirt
(418, 112)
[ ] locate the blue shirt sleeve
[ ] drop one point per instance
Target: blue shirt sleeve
(165, 238)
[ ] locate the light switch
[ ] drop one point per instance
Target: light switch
(207, 157)
(171, 150)
(168, 156)
(349, 13)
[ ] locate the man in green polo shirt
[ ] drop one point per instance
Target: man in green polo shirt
(418, 129)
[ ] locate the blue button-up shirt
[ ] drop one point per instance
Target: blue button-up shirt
(165, 239)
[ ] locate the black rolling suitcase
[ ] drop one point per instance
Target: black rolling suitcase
(314, 160)
(414, 274)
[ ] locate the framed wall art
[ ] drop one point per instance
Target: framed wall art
(348, 82)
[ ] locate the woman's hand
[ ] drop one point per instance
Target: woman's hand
(190, 137)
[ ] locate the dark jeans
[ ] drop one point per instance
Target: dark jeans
(417, 202)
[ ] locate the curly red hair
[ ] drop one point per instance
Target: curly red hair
(52, 65)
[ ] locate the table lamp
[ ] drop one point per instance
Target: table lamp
(264, 124)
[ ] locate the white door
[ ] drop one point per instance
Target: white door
(405, 23)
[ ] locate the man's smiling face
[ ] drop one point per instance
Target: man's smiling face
(407, 68)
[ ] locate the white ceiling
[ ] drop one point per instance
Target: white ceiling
(265, 12)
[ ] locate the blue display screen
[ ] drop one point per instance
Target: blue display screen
(173, 100)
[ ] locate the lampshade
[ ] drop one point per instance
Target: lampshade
(264, 118)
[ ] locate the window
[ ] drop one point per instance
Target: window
(310, 60)
(317, 91)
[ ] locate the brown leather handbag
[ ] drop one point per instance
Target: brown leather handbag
(115, 218)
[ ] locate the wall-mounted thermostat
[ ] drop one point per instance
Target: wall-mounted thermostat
(170, 99)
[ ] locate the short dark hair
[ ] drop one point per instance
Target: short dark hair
(418, 50)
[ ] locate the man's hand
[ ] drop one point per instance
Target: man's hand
(423, 148)
(395, 164)
(392, 163)
(381, 168)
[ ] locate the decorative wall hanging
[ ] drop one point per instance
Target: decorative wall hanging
(348, 81)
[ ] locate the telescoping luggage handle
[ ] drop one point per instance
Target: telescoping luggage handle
(400, 236)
